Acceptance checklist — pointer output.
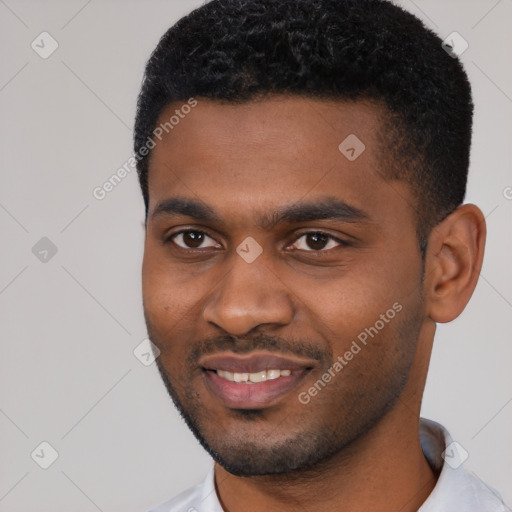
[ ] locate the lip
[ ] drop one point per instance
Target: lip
(258, 395)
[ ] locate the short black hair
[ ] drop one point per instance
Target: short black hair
(347, 50)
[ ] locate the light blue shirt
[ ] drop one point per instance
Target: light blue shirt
(456, 490)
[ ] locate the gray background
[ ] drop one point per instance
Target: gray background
(70, 323)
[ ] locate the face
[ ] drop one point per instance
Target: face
(281, 279)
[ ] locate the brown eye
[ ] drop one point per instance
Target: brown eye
(193, 240)
(315, 241)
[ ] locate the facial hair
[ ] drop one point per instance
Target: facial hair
(308, 444)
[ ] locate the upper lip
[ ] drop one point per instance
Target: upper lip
(253, 362)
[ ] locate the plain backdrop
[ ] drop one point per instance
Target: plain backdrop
(70, 299)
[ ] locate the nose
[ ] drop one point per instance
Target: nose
(250, 295)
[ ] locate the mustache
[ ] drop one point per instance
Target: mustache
(259, 342)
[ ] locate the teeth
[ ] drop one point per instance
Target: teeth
(273, 374)
(240, 377)
(251, 378)
(258, 377)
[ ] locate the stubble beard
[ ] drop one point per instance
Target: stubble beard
(313, 443)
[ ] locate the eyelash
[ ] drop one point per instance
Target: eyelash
(298, 237)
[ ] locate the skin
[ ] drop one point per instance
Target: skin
(354, 446)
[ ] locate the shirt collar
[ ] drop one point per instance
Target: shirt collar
(456, 488)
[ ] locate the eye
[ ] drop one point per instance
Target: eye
(316, 241)
(192, 239)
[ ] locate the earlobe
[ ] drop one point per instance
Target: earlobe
(453, 262)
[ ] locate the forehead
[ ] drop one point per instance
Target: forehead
(269, 152)
(292, 125)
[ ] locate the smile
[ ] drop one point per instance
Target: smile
(252, 381)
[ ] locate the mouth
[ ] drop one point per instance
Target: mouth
(253, 381)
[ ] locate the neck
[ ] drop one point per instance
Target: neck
(386, 471)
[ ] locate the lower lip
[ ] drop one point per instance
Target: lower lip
(258, 395)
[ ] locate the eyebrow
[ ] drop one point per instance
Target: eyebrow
(325, 208)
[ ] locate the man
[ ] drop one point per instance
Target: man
(303, 165)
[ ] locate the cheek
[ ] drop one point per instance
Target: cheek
(164, 302)
(366, 302)
(173, 301)
(163, 285)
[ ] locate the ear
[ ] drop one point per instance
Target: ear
(454, 258)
